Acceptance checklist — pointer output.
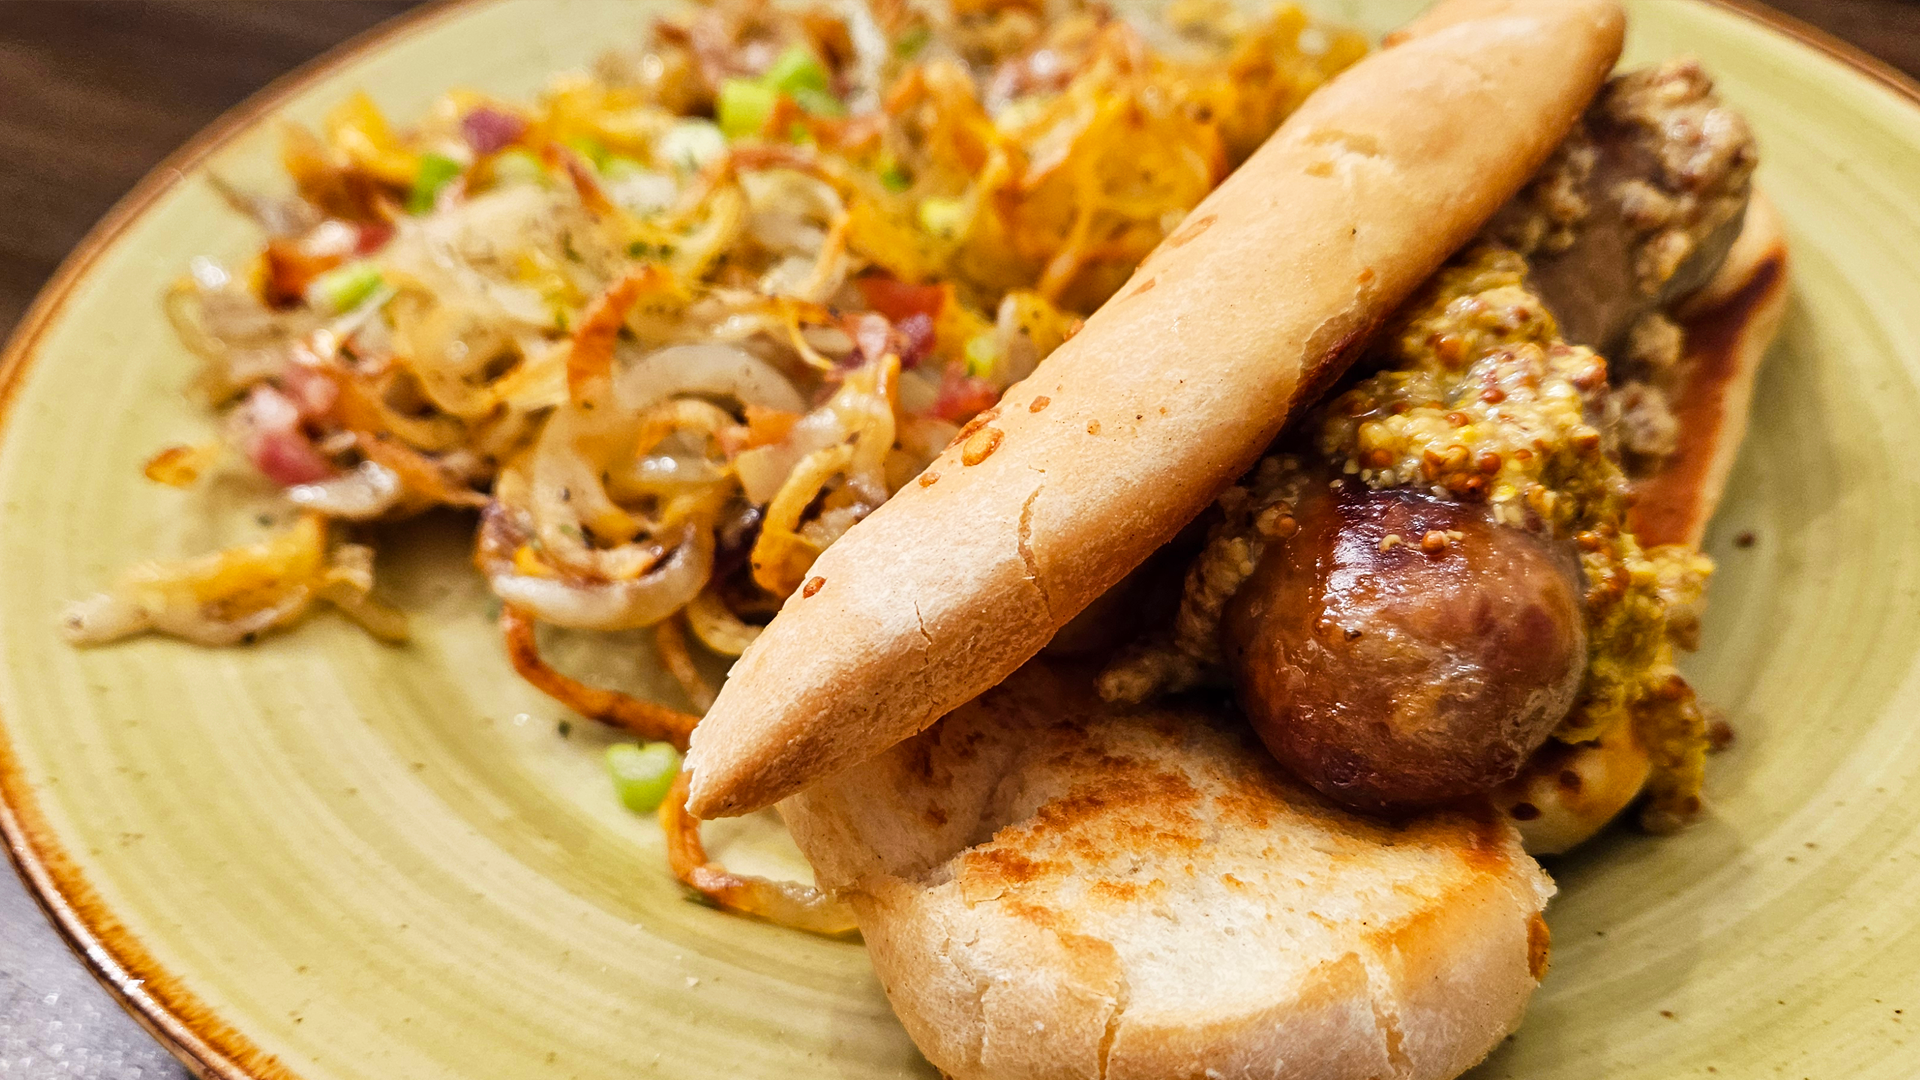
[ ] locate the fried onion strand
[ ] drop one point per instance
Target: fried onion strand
(655, 723)
(784, 903)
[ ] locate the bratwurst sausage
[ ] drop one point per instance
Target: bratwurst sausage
(1402, 650)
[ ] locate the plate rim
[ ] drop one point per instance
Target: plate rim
(206, 1044)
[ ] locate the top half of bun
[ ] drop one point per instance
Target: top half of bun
(1173, 389)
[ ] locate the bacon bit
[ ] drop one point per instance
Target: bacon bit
(311, 390)
(275, 442)
(786, 903)
(929, 478)
(1039, 403)
(963, 397)
(180, 466)
(655, 723)
(489, 130)
(981, 446)
(813, 585)
(980, 420)
(372, 237)
(287, 458)
(916, 337)
(899, 300)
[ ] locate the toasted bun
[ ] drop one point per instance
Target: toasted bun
(1730, 326)
(1173, 389)
(1568, 793)
(1051, 888)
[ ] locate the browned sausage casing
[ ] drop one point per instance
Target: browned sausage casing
(1401, 650)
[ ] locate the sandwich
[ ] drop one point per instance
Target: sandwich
(1201, 711)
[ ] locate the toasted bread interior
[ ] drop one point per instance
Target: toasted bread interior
(1053, 887)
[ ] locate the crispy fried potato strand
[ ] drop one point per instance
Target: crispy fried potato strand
(784, 903)
(655, 723)
(591, 358)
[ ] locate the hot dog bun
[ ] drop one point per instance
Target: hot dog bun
(1567, 793)
(1051, 887)
(1730, 325)
(1171, 391)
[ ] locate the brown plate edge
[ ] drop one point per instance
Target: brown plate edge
(209, 1047)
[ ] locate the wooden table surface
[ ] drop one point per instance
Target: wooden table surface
(92, 95)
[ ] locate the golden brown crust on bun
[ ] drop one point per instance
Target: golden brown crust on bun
(1173, 389)
(1053, 887)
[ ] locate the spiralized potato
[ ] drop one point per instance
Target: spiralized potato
(676, 326)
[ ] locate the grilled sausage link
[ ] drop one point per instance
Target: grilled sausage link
(1400, 650)
(1638, 207)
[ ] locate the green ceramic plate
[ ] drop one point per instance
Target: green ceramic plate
(325, 858)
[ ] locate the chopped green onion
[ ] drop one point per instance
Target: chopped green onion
(589, 148)
(797, 70)
(744, 107)
(641, 249)
(620, 166)
(434, 172)
(894, 178)
(344, 287)
(642, 774)
(983, 355)
(943, 217)
(518, 165)
(912, 42)
(818, 102)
